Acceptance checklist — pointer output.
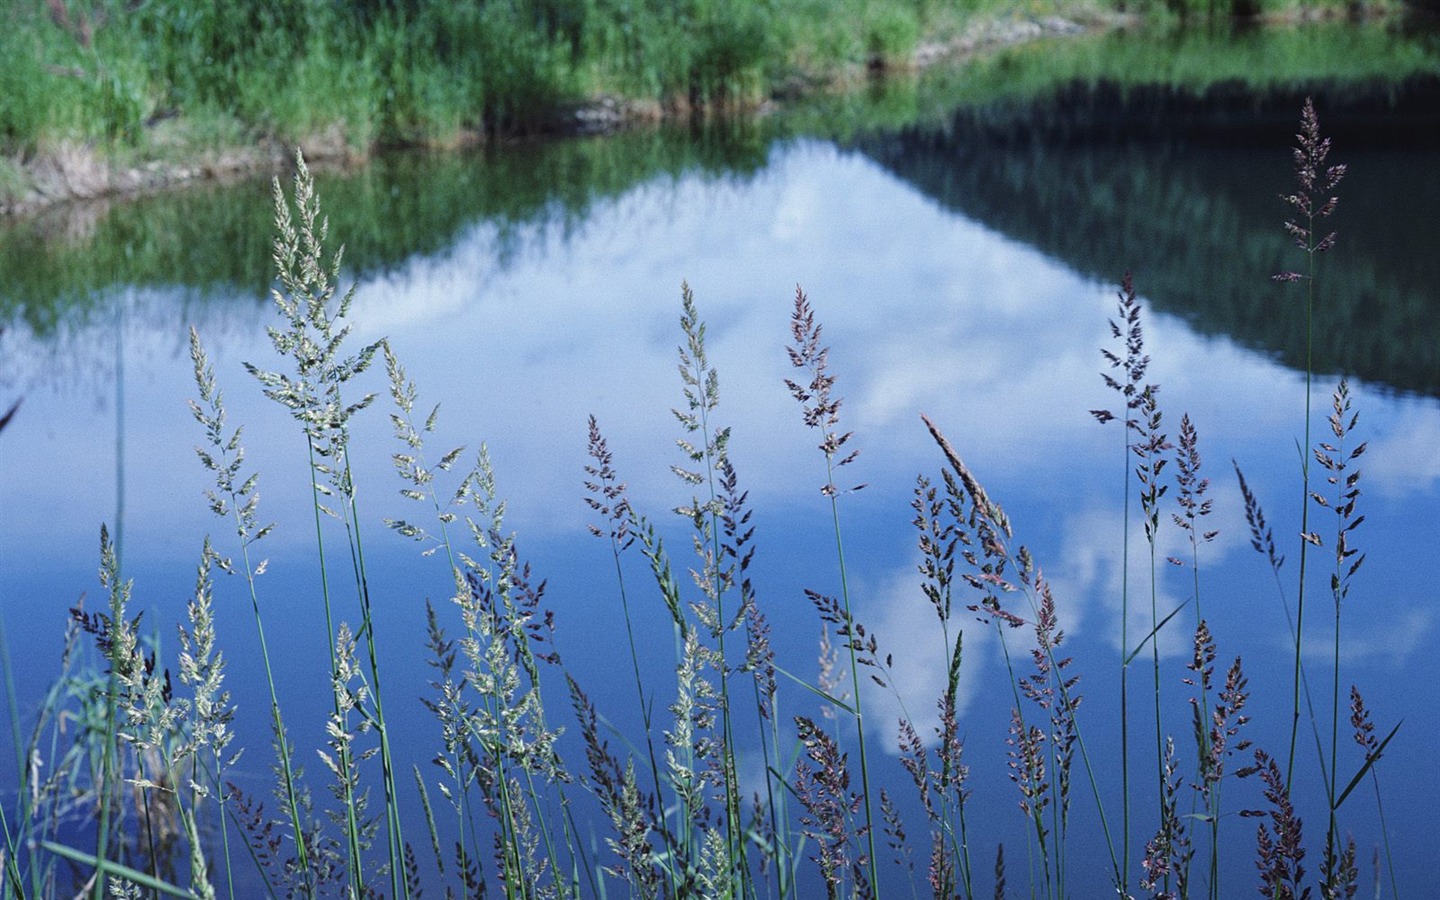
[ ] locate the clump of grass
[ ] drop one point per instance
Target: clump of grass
(679, 825)
(1040, 759)
(236, 495)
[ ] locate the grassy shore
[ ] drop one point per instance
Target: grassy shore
(105, 96)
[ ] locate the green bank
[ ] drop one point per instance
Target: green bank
(98, 91)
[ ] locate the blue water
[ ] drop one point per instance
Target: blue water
(924, 311)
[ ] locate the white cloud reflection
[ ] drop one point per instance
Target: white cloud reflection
(909, 628)
(923, 310)
(1403, 458)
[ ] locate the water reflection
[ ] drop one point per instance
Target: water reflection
(1195, 220)
(935, 294)
(215, 239)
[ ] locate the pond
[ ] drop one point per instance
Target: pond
(964, 265)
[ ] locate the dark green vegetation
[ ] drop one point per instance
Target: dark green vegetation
(499, 810)
(1082, 179)
(1062, 156)
(214, 239)
(177, 80)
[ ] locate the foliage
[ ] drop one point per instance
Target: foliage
(429, 71)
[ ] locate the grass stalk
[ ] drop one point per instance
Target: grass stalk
(1128, 383)
(12, 859)
(12, 867)
(715, 577)
(1194, 507)
(854, 679)
(1344, 480)
(938, 542)
(307, 302)
(995, 531)
(224, 459)
(607, 497)
(1150, 450)
(476, 488)
(399, 887)
(1304, 528)
(1365, 736)
(823, 414)
(119, 597)
(1312, 202)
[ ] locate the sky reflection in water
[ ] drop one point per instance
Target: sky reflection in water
(924, 311)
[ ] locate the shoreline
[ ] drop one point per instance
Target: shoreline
(72, 172)
(76, 172)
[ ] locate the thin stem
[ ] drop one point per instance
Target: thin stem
(1384, 833)
(1125, 678)
(1155, 664)
(352, 825)
(1330, 831)
(645, 716)
(1304, 522)
(399, 885)
(226, 464)
(110, 577)
(854, 679)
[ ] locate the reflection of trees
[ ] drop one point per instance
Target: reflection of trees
(1107, 181)
(1179, 187)
(214, 241)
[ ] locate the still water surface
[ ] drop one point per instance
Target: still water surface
(964, 277)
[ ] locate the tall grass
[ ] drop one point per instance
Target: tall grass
(510, 802)
(1314, 202)
(821, 411)
(168, 76)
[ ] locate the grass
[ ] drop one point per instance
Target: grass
(421, 72)
(117, 83)
(507, 808)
